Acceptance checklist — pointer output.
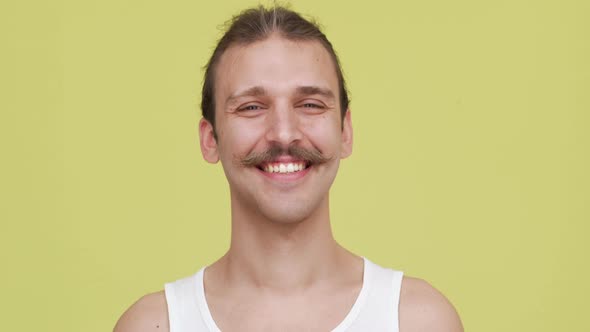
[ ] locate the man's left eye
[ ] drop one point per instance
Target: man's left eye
(312, 105)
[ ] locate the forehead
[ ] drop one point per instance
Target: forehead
(276, 64)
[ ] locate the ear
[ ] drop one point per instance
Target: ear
(346, 149)
(208, 142)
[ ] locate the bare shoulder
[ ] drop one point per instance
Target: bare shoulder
(149, 313)
(423, 308)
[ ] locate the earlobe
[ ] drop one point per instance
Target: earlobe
(347, 138)
(208, 142)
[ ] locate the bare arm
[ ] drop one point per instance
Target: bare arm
(148, 314)
(423, 308)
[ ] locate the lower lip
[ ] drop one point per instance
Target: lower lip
(286, 177)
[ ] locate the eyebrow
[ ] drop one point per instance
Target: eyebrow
(254, 91)
(305, 90)
(308, 90)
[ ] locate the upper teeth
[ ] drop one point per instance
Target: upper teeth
(284, 167)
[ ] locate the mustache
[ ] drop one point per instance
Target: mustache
(311, 156)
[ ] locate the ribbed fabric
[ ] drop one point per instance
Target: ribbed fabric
(375, 309)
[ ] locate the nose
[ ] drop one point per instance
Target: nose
(283, 126)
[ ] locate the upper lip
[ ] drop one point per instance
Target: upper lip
(285, 159)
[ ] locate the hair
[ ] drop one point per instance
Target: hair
(257, 24)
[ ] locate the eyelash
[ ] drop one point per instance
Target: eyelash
(251, 107)
(247, 108)
(313, 105)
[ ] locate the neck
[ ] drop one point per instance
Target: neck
(275, 256)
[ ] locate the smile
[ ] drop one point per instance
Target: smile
(280, 167)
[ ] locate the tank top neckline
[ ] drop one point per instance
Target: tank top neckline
(341, 327)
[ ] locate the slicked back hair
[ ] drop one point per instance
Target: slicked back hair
(257, 24)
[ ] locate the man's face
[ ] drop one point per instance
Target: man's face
(279, 128)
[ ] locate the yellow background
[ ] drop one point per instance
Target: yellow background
(470, 166)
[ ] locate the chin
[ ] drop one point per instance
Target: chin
(288, 212)
(289, 215)
(291, 207)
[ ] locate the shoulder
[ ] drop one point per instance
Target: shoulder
(149, 313)
(423, 308)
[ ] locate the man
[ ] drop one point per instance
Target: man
(276, 115)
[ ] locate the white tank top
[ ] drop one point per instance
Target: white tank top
(375, 309)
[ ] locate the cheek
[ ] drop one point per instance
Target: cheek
(241, 135)
(324, 133)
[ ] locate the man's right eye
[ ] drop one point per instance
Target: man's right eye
(250, 108)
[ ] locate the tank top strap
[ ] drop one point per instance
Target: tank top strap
(183, 297)
(381, 310)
